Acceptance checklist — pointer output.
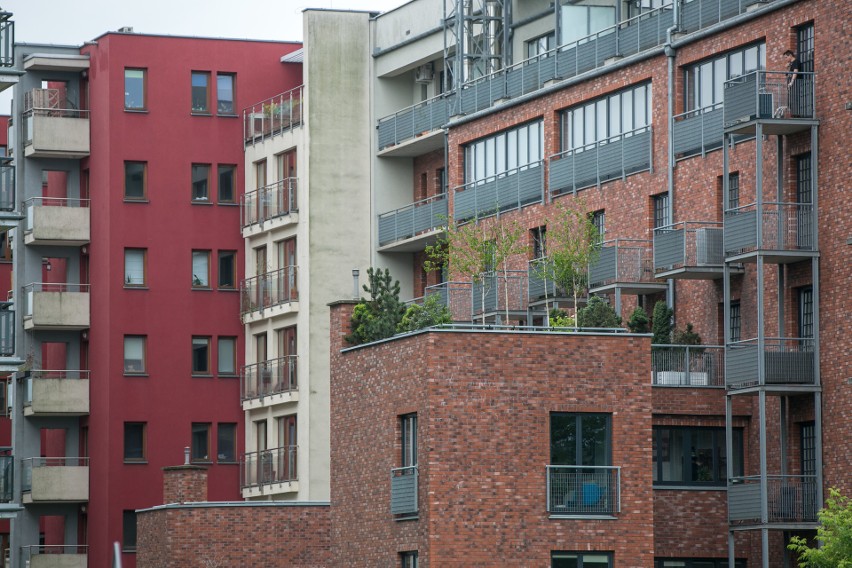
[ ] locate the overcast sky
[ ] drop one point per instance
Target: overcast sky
(72, 22)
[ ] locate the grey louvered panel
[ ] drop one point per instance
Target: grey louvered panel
(546, 69)
(514, 82)
(604, 269)
(421, 119)
(730, 8)
(744, 501)
(507, 192)
(566, 64)
(687, 135)
(387, 133)
(585, 168)
(741, 99)
(651, 32)
(561, 175)
(453, 106)
(464, 206)
(467, 98)
(490, 285)
(397, 226)
(609, 160)
(404, 125)
(689, 15)
(586, 59)
(425, 216)
(537, 286)
(741, 365)
(484, 96)
(440, 113)
(709, 12)
(629, 40)
(740, 231)
(713, 129)
(605, 47)
(404, 494)
(789, 367)
(668, 248)
(531, 185)
(531, 78)
(637, 152)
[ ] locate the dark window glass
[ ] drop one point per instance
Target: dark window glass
(661, 210)
(227, 269)
(200, 182)
(128, 531)
(580, 560)
(733, 190)
(408, 424)
(808, 449)
(694, 456)
(806, 312)
(409, 559)
(200, 442)
(134, 441)
(736, 323)
(226, 442)
(200, 92)
(539, 242)
(225, 93)
(227, 191)
(580, 439)
(134, 180)
(200, 355)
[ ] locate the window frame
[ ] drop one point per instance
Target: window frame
(232, 272)
(733, 190)
(127, 279)
(206, 341)
(693, 78)
(409, 559)
(196, 198)
(196, 428)
(579, 417)
(194, 109)
(144, 196)
(197, 282)
(718, 466)
(233, 358)
(580, 125)
(143, 442)
(143, 107)
(220, 169)
(661, 210)
(735, 329)
(579, 557)
(128, 530)
(219, 459)
(144, 361)
(408, 439)
(233, 78)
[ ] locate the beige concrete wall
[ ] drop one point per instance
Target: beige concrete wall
(60, 483)
(59, 224)
(60, 396)
(59, 135)
(59, 309)
(59, 561)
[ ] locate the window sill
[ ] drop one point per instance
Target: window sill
(202, 289)
(135, 462)
(220, 462)
(201, 376)
(228, 376)
(131, 287)
(584, 517)
(200, 113)
(201, 462)
(227, 204)
(201, 202)
(128, 550)
(143, 375)
(136, 110)
(227, 115)
(228, 289)
(132, 200)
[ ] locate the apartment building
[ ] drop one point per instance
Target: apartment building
(128, 261)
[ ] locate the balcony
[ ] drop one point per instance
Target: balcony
(7, 185)
(276, 289)
(404, 481)
(583, 490)
(57, 393)
(269, 471)
(51, 128)
(54, 306)
(276, 376)
(788, 364)
(513, 189)
(791, 501)
(273, 201)
(614, 158)
(56, 556)
(540, 285)
(626, 265)
(55, 480)
(455, 295)
(414, 226)
(764, 97)
(497, 294)
(689, 250)
(7, 51)
(698, 131)
(7, 475)
(415, 130)
(57, 221)
(273, 116)
(688, 365)
(7, 329)
(780, 232)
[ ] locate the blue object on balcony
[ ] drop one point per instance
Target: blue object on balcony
(591, 493)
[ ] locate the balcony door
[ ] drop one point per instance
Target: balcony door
(288, 260)
(287, 444)
(287, 351)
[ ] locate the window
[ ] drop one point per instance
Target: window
(576, 22)
(135, 180)
(134, 354)
(661, 210)
(226, 443)
(135, 261)
(541, 45)
(200, 91)
(696, 563)
(128, 531)
(408, 559)
(736, 322)
(733, 190)
(200, 355)
(441, 181)
(200, 445)
(135, 89)
(225, 93)
(518, 148)
(805, 47)
(408, 431)
(580, 560)
(200, 268)
(607, 117)
(694, 456)
(580, 439)
(705, 81)
(134, 441)
(227, 190)
(227, 269)
(538, 235)
(289, 444)
(808, 445)
(227, 355)
(599, 221)
(806, 312)
(200, 182)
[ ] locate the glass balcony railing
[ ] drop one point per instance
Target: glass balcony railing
(583, 490)
(270, 289)
(273, 116)
(266, 467)
(266, 378)
(270, 202)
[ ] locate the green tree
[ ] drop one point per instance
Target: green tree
(597, 313)
(661, 326)
(834, 536)
(431, 312)
(638, 322)
(378, 317)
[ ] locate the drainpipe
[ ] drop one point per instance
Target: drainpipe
(670, 59)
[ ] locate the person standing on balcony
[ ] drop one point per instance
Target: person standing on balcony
(794, 67)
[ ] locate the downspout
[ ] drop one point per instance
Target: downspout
(670, 59)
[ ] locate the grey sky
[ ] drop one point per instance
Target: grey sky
(68, 22)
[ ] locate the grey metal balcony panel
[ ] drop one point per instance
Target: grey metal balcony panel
(566, 62)
(743, 501)
(386, 133)
(586, 168)
(637, 152)
(610, 159)
(629, 40)
(669, 248)
(530, 185)
(404, 494)
(547, 70)
(740, 230)
(586, 56)
(561, 174)
(404, 125)
(789, 499)
(400, 225)
(708, 247)
(605, 48)
(698, 133)
(780, 367)
(604, 269)
(740, 100)
(652, 30)
(537, 287)
(488, 303)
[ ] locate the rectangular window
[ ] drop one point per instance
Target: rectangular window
(201, 91)
(733, 190)
(225, 89)
(200, 182)
(580, 560)
(135, 87)
(808, 443)
(805, 47)
(134, 441)
(599, 221)
(577, 22)
(128, 531)
(696, 563)
(736, 322)
(134, 354)
(518, 148)
(200, 355)
(541, 45)
(580, 439)
(227, 189)
(135, 180)
(226, 443)
(201, 269)
(694, 456)
(135, 261)
(806, 312)
(408, 431)
(599, 120)
(200, 444)
(661, 210)
(227, 269)
(539, 241)
(705, 81)
(408, 559)
(227, 356)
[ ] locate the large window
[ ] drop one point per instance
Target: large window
(580, 560)
(200, 268)
(134, 89)
(227, 190)
(607, 117)
(705, 81)
(696, 563)
(694, 456)
(541, 45)
(134, 267)
(134, 441)
(201, 182)
(408, 431)
(200, 448)
(128, 531)
(134, 354)
(576, 22)
(135, 180)
(580, 439)
(225, 87)
(201, 91)
(227, 356)
(227, 269)
(520, 147)
(226, 442)
(200, 355)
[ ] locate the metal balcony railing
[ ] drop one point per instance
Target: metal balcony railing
(412, 121)
(32, 550)
(455, 295)
(698, 131)
(790, 499)
(46, 375)
(540, 285)
(688, 244)
(7, 475)
(404, 482)
(506, 191)
(765, 95)
(28, 464)
(7, 184)
(786, 361)
(593, 164)
(270, 377)
(270, 289)
(7, 329)
(274, 200)
(688, 365)
(492, 292)
(50, 103)
(583, 490)
(769, 226)
(273, 116)
(622, 261)
(7, 40)
(413, 219)
(275, 465)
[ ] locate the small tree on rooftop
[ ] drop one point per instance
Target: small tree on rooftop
(638, 322)
(418, 316)
(597, 313)
(378, 317)
(661, 326)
